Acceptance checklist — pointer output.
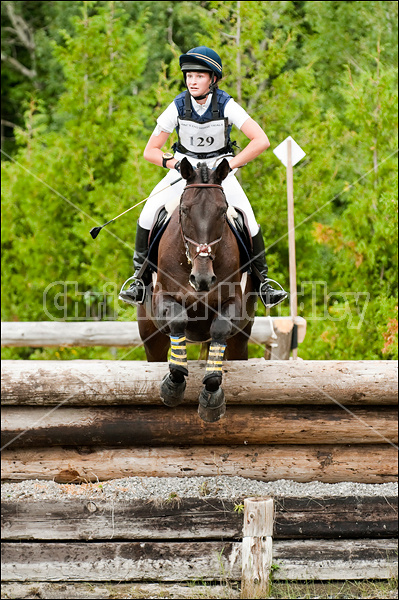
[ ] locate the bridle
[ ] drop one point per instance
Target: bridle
(201, 249)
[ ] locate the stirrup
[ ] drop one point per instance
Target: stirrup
(141, 284)
(267, 282)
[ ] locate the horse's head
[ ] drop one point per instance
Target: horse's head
(203, 208)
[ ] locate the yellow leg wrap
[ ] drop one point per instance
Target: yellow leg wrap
(215, 358)
(178, 355)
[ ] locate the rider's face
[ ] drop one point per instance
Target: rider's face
(198, 82)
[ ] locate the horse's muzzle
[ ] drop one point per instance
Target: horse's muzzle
(202, 282)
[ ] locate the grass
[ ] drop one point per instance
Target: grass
(383, 589)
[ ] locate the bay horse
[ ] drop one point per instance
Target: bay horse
(198, 295)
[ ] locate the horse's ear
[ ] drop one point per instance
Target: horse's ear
(221, 171)
(186, 169)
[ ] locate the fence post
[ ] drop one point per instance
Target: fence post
(257, 547)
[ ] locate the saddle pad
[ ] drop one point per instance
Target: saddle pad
(237, 223)
(161, 222)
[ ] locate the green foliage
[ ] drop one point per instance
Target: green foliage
(323, 72)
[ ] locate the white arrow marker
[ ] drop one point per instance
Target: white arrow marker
(281, 152)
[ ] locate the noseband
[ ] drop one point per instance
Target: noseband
(201, 249)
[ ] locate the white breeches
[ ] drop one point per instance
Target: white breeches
(235, 195)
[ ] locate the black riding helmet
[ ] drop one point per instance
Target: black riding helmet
(202, 59)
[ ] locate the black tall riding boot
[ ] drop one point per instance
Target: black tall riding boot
(136, 292)
(269, 296)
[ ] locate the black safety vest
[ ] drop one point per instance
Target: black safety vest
(207, 135)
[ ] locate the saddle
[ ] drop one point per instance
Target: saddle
(236, 220)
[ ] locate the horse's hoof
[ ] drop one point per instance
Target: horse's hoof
(172, 393)
(212, 406)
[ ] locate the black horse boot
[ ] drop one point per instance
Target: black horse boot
(269, 296)
(136, 292)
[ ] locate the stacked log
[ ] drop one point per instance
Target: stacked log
(94, 420)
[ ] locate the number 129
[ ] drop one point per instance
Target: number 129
(201, 141)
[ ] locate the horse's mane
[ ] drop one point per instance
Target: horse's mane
(204, 172)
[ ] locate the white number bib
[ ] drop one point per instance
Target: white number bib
(203, 137)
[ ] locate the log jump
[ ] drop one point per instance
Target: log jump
(35, 426)
(309, 420)
(256, 381)
(360, 463)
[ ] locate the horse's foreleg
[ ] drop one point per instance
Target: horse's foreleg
(212, 404)
(172, 317)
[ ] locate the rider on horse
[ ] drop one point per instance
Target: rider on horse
(203, 117)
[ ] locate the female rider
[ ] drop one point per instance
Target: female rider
(203, 117)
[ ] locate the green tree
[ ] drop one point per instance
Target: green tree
(28, 66)
(65, 181)
(363, 234)
(341, 34)
(323, 72)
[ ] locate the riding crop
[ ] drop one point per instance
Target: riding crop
(96, 230)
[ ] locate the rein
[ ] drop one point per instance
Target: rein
(201, 249)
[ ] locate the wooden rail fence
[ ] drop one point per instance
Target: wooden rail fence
(274, 333)
(188, 539)
(117, 333)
